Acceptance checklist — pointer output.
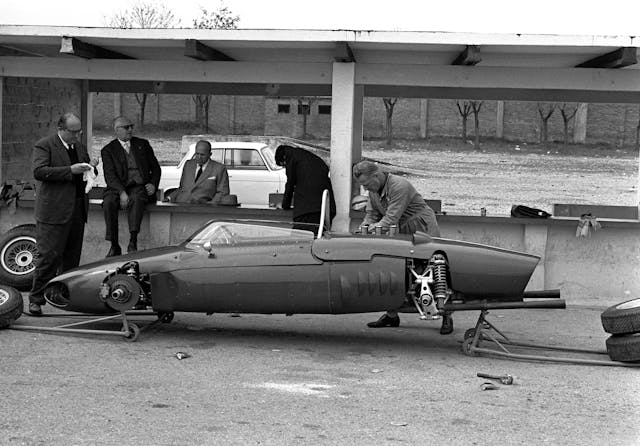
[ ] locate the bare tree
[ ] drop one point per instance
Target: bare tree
(638, 131)
(221, 18)
(568, 112)
(304, 108)
(389, 104)
(143, 15)
(545, 110)
(465, 111)
(475, 107)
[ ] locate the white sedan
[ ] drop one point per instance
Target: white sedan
(253, 172)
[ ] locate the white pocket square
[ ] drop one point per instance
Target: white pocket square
(211, 178)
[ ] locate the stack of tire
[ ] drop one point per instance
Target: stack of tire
(18, 254)
(622, 321)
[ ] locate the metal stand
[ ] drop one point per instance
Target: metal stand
(484, 331)
(129, 331)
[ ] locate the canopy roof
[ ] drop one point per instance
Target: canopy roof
(299, 62)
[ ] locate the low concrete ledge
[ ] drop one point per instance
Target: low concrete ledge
(598, 270)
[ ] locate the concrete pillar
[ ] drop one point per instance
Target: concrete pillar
(346, 137)
(535, 242)
(424, 118)
(500, 119)
(580, 123)
(86, 110)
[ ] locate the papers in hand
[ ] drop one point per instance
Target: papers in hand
(90, 177)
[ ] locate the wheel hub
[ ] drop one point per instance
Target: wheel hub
(19, 257)
(4, 296)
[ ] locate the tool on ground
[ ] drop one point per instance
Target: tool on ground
(504, 379)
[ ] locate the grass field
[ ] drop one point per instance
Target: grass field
(498, 176)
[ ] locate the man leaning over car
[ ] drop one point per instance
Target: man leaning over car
(203, 180)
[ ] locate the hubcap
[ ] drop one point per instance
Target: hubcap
(18, 257)
(631, 304)
(4, 296)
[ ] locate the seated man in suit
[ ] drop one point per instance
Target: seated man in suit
(203, 181)
(132, 174)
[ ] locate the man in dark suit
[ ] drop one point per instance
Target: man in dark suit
(203, 180)
(132, 174)
(61, 207)
(307, 178)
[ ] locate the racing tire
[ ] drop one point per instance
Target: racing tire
(624, 348)
(18, 254)
(11, 305)
(623, 318)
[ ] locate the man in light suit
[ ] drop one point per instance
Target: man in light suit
(203, 181)
(132, 174)
(61, 207)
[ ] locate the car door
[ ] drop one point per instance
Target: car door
(249, 177)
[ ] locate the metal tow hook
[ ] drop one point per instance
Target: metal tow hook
(504, 379)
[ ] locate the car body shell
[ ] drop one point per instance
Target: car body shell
(268, 269)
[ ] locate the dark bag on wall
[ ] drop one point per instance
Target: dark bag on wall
(520, 211)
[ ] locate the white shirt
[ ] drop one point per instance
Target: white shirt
(126, 145)
(64, 143)
(204, 166)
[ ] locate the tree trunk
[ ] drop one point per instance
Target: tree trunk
(389, 128)
(389, 103)
(476, 121)
(464, 127)
(476, 107)
(545, 134)
(142, 102)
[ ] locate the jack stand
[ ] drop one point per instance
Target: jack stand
(129, 331)
(484, 331)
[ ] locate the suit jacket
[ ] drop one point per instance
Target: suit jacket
(55, 189)
(211, 186)
(307, 178)
(114, 163)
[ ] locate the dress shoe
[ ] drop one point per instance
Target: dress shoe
(35, 309)
(132, 247)
(447, 325)
(114, 251)
(385, 321)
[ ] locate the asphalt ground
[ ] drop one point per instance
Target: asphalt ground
(310, 380)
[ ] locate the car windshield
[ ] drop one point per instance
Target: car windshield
(232, 233)
(267, 153)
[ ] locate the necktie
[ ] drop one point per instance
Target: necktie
(199, 172)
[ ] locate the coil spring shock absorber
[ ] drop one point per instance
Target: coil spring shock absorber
(439, 278)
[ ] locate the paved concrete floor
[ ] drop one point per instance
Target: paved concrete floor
(310, 380)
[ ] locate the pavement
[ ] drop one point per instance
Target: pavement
(310, 380)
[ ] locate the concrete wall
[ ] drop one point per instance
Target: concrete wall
(600, 270)
(609, 124)
(31, 108)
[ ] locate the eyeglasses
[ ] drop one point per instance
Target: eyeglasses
(126, 127)
(75, 132)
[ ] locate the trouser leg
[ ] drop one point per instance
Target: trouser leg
(50, 242)
(110, 207)
(73, 247)
(137, 203)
